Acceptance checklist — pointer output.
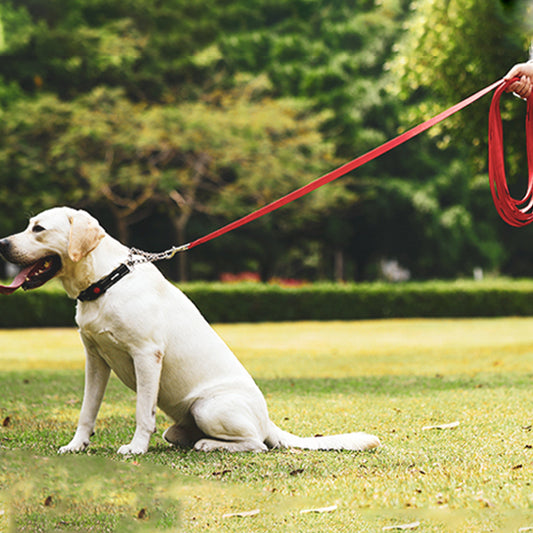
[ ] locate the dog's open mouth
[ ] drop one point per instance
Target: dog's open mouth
(34, 275)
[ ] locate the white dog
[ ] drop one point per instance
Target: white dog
(153, 337)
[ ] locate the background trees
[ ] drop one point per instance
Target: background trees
(168, 119)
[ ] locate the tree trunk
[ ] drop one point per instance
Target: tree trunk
(180, 225)
(338, 259)
(123, 229)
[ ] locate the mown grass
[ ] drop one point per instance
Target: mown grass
(391, 378)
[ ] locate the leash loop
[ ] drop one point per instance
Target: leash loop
(516, 212)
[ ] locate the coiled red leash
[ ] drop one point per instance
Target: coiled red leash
(515, 212)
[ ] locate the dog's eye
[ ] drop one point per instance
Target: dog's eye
(37, 228)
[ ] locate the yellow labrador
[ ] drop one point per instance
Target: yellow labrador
(136, 323)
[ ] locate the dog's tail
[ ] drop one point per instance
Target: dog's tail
(348, 441)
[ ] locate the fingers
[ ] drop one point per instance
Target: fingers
(524, 86)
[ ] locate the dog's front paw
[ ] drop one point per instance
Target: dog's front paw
(74, 446)
(132, 449)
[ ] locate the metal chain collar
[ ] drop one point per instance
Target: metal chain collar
(137, 257)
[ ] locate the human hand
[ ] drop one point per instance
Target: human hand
(524, 86)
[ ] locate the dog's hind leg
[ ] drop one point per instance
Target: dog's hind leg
(183, 436)
(231, 423)
(210, 445)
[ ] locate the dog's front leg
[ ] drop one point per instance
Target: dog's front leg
(148, 366)
(96, 377)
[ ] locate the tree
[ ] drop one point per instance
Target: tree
(28, 180)
(452, 49)
(222, 157)
(140, 111)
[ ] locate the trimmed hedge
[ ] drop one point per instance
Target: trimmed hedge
(258, 302)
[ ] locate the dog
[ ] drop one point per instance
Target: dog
(155, 340)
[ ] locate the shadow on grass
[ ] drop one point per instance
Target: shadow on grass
(41, 384)
(395, 385)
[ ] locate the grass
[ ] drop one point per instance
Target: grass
(391, 378)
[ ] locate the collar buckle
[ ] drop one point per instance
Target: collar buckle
(96, 290)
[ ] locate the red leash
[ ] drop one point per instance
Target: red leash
(344, 169)
(515, 212)
(504, 203)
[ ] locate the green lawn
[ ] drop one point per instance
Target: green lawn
(392, 378)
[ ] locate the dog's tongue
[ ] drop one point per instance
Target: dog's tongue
(17, 282)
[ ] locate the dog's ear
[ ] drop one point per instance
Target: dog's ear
(85, 235)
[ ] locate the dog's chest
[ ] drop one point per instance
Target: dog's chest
(114, 352)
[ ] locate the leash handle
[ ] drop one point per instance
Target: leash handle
(516, 212)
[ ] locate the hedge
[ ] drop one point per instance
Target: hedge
(258, 302)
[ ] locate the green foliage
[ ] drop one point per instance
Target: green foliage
(216, 157)
(332, 55)
(142, 46)
(44, 308)
(443, 55)
(29, 179)
(180, 117)
(261, 302)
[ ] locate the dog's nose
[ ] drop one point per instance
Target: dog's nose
(4, 246)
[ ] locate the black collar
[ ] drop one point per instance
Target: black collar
(96, 290)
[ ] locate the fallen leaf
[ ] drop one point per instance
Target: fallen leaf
(483, 501)
(222, 472)
(242, 514)
(412, 525)
(329, 509)
(451, 425)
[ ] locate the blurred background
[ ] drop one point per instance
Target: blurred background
(169, 118)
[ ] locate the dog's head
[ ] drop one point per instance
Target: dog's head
(52, 240)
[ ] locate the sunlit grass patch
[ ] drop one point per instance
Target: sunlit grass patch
(39, 349)
(391, 378)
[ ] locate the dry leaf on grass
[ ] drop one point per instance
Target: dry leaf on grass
(329, 509)
(451, 425)
(242, 514)
(483, 501)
